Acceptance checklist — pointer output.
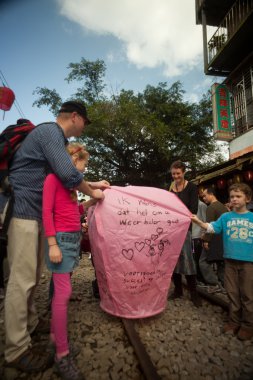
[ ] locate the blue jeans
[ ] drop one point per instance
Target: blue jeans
(69, 244)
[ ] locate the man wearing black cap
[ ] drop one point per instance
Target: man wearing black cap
(43, 151)
(78, 107)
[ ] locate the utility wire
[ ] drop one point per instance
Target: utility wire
(16, 104)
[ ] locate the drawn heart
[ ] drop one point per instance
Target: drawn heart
(154, 237)
(159, 230)
(147, 241)
(139, 246)
(128, 253)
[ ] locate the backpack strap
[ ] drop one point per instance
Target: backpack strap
(6, 223)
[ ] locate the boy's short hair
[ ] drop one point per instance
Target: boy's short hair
(243, 187)
(210, 190)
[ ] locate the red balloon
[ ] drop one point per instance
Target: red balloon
(7, 98)
(221, 183)
(248, 176)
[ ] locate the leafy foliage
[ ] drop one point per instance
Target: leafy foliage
(48, 98)
(92, 74)
(134, 138)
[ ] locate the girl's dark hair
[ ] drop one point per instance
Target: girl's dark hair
(243, 187)
(178, 165)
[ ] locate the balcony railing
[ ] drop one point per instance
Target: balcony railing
(229, 26)
(242, 100)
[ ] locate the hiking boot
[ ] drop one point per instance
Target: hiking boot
(74, 350)
(213, 289)
(31, 360)
(175, 295)
(245, 334)
(43, 327)
(202, 285)
(216, 289)
(230, 328)
(67, 369)
(223, 290)
(196, 299)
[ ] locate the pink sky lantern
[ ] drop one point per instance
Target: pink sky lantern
(7, 98)
(136, 235)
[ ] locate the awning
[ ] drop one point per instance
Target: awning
(238, 165)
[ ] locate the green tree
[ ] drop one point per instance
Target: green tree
(134, 138)
(92, 75)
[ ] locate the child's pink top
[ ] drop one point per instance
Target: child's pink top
(60, 212)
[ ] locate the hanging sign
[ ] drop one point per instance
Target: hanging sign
(221, 112)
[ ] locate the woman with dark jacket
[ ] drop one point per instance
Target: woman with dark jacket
(187, 192)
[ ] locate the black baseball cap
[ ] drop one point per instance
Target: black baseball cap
(74, 106)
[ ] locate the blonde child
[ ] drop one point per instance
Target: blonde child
(236, 227)
(61, 219)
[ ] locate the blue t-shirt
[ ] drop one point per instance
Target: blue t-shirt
(237, 232)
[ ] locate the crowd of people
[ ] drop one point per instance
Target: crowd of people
(45, 175)
(236, 229)
(219, 254)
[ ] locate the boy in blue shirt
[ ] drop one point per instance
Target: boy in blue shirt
(237, 230)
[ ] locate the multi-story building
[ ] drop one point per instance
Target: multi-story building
(228, 53)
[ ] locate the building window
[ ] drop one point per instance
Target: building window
(242, 95)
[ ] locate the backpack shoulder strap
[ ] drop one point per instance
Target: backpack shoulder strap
(7, 219)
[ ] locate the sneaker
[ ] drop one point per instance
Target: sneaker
(230, 328)
(223, 290)
(245, 334)
(74, 350)
(214, 289)
(67, 369)
(202, 285)
(31, 360)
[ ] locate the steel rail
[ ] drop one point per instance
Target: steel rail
(215, 299)
(146, 364)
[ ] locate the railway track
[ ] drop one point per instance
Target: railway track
(158, 342)
(213, 298)
(146, 364)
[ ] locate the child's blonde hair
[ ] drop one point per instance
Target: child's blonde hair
(78, 150)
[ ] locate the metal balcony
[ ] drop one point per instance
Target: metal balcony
(232, 41)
